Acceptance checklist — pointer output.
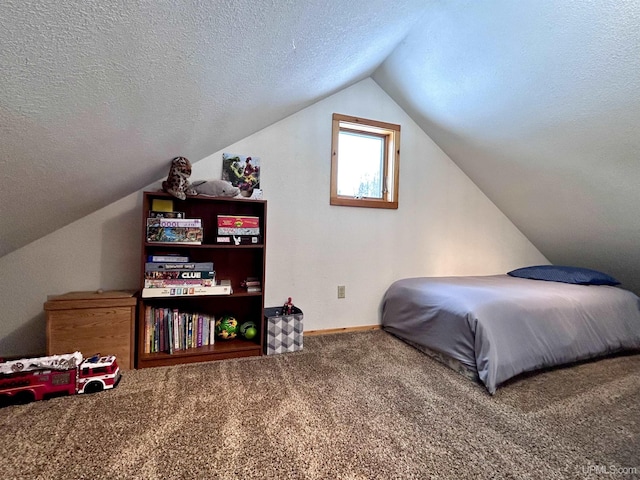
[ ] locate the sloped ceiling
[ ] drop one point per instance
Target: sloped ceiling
(536, 100)
(97, 96)
(539, 103)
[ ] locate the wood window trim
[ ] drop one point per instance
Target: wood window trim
(391, 133)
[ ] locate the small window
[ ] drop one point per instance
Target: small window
(365, 162)
(63, 378)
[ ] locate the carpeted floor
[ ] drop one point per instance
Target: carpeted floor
(349, 406)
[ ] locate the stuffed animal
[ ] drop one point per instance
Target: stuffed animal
(177, 183)
(215, 188)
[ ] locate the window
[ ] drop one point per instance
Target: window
(365, 162)
(63, 378)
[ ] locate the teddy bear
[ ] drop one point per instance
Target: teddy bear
(177, 182)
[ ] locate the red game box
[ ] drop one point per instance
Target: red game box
(238, 225)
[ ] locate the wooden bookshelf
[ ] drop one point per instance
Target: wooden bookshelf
(232, 262)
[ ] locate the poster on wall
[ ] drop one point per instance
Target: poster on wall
(243, 172)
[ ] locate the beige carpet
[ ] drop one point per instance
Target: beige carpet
(349, 406)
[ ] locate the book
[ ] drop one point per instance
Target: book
(189, 331)
(169, 319)
(179, 282)
(179, 275)
(186, 291)
(238, 225)
(174, 222)
(147, 328)
(180, 340)
(167, 258)
(160, 330)
(164, 267)
(200, 324)
(212, 330)
(175, 330)
(159, 214)
(205, 330)
(178, 235)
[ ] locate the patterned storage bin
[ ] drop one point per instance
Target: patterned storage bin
(284, 332)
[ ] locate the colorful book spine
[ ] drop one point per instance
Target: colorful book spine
(186, 291)
(162, 267)
(170, 330)
(169, 318)
(167, 259)
(176, 329)
(148, 328)
(205, 330)
(168, 283)
(161, 339)
(181, 335)
(200, 319)
(180, 275)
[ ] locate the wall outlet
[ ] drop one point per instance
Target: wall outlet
(341, 291)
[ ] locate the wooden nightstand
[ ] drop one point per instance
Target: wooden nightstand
(92, 322)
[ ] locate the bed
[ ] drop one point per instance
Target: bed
(496, 327)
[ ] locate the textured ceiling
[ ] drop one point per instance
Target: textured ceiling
(538, 101)
(97, 96)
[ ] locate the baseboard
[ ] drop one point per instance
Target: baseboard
(330, 331)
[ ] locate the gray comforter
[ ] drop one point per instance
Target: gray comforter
(500, 326)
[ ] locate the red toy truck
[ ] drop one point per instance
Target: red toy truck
(23, 381)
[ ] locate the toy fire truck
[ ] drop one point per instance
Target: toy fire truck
(23, 381)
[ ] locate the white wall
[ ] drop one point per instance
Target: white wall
(444, 226)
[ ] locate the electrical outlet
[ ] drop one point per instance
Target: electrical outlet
(341, 291)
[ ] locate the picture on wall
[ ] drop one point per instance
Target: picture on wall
(242, 171)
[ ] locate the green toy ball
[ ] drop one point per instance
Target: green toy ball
(226, 327)
(248, 330)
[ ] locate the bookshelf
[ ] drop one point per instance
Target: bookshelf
(231, 262)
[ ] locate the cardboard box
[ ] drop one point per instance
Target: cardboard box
(238, 225)
(284, 332)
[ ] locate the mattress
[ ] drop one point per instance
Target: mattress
(500, 326)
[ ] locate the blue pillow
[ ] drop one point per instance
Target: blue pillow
(556, 273)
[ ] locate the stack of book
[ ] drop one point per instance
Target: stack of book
(184, 231)
(252, 284)
(169, 330)
(171, 276)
